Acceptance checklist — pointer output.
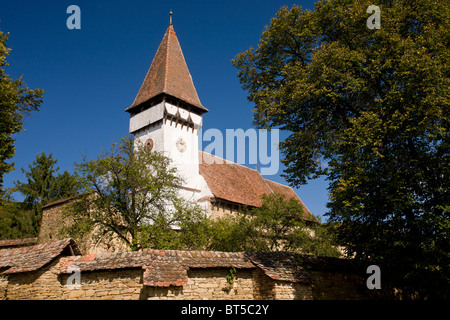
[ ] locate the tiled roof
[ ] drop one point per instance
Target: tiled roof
(289, 193)
(236, 183)
(169, 267)
(232, 182)
(32, 258)
(17, 242)
(283, 266)
(62, 201)
(215, 259)
(190, 259)
(169, 74)
(165, 273)
(162, 267)
(295, 267)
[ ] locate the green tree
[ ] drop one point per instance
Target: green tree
(16, 100)
(16, 221)
(278, 225)
(43, 187)
(65, 186)
(374, 105)
(233, 233)
(132, 194)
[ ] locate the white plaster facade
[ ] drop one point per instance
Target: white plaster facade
(167, 125)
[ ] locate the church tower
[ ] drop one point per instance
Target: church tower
(166, 114)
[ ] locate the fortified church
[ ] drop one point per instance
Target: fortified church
(166, 116)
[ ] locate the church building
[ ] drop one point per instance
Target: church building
(167, 115)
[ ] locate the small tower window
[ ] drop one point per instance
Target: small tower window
(149, 145)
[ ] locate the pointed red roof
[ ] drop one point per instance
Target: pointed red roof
(169, 74)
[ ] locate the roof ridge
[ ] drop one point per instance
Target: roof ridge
(241, 184)
(18, 242)
(284, 185)
(298, 198)
(167, 58)
(265, 182)
(34, 257)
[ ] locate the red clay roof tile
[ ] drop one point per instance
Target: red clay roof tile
(239, 184)
(169, 74)
(283, 266)
(33, 257)
(165, 273)
(17, 242)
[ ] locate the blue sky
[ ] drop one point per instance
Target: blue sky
(90, 76)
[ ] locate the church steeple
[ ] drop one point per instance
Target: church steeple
(169, 76)
(167, 115)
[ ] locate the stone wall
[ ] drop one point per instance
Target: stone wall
(3, 286)
(57, 270)
(51, 222)
(336, 285)
(220, 209)
(51, 229)
(42, 284)
(211, 284)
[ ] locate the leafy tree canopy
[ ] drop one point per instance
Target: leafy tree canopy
(16, 100)
(132, 194)
(16, 221)
(44, 186)
(373, 105)
(275, 226)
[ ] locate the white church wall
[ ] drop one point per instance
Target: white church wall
(147, 117)
(177, 141)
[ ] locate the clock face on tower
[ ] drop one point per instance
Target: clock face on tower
(181, 145)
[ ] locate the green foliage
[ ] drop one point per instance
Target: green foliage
(65, 186)
(276, 226)
(233, 233)
(16, 100)
(43, 187)
(231, 275)
(280, 223)
(132, 194)
(16, 221)
(373, 104)
(40, 185)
